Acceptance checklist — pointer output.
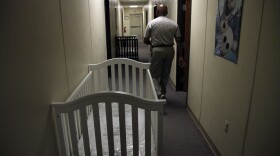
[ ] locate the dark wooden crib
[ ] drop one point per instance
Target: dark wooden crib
(127, 47)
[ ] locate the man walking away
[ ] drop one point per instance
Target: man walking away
(160, 34)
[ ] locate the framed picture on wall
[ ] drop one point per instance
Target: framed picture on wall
(228, 23)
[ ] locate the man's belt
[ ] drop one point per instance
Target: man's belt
(154, 46)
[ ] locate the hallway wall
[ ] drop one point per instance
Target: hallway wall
(98, 31)
(263, 136)
(77, 39)
(172, 14)
(220, 90)
(45, 49)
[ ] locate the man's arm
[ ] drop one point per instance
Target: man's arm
(180, 52)
(147, 41)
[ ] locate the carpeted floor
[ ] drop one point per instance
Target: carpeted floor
(181, 137)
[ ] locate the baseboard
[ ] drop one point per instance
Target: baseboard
(205, 135)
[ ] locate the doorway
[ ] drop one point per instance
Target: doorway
(136, 25)
(182, 74)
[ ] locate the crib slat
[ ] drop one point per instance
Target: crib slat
(60, 134)
(73, 133)
(141, 82)
(122, 129)
(110, 128)
(105, 78)
(66, 132)
(147, 87)
(120, 77)
(85, 131)
(96, 119)
(135, 131)
(113, 75)
(160, 133)
(147, 133)
(99, 81)
(134, 80)
(95, 81)
(78, 119)
(127, 78)
(88, 86)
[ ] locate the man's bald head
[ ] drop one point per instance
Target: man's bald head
(162, 10)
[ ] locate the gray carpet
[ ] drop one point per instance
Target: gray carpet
(181, 137)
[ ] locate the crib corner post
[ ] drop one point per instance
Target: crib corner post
(59, 132)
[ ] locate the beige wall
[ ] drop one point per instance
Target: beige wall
(76, 31)
(98, 31)
(263, 136)
(220, 90)
(172, 14)
(45, 49)
(197, 45)
(150, 10)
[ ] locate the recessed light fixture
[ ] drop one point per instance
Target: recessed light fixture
(133, 6)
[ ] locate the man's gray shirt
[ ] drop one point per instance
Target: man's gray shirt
(162, 31)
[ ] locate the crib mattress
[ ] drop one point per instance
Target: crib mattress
(116, 130)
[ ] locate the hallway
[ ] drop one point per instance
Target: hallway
(181, 137)
(46, 48)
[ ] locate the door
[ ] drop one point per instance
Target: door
(136, 25)
(182, 74)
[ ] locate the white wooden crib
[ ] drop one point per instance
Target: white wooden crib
(111, 114)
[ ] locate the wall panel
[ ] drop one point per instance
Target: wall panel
(77, 39)
(197, 44)
(263, 136)
(227, 87)
(33, 74)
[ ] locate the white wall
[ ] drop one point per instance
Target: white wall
(220, 90)
(45, 49)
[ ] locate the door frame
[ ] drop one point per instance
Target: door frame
(182, 74)
(108, 29)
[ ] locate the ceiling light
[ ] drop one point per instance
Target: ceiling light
(133, 6)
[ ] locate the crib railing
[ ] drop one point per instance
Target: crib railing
(119, 74)
(122, 74)
(122, 99)
(83, 89)
(127, 47)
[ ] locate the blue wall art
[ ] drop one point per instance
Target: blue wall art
(228, 23)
